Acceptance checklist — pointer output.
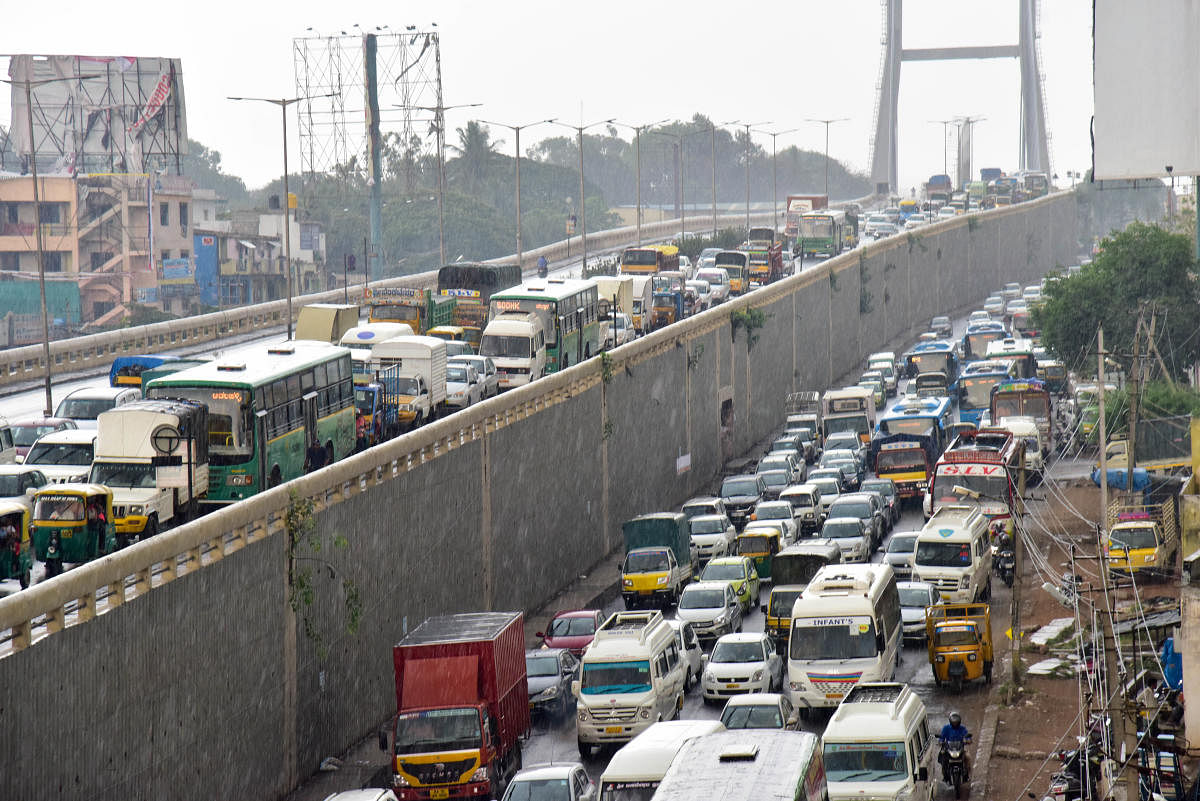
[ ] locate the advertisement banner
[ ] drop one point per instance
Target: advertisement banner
(177, 271)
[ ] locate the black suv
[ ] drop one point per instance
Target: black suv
(742, 495)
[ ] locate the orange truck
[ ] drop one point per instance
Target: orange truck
(462, 707)
(797, 205)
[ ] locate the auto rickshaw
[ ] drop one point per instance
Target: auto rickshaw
(760, 543)
(667, 309)
(16, 559)
(73, 523)
(959, 638)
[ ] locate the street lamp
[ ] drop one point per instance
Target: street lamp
(440, 127)
(679, 137)
(827, 123)
(516, 129)
(775, 171)
(945, 143)
(579, 129)
(637, 146)
(283, 104)
(747, 126)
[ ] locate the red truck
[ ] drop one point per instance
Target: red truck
(765, 256)
(462, 706)
(797, 205)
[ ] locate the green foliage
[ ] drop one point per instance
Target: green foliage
(725, 239)
(203, 166)
(1143, 263)
(305, 564)
(606, 367)
(749, 318)
(1158, 400)
(693, 359)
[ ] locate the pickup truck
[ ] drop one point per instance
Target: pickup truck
(1164, 445)
(1143, 539)
(660, 559)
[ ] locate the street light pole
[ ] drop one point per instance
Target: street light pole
(747, 126)
(637, 146)
(775, 173)
(579, 129)
(945, 143)
(283, 104)
(516, 129)
(713, 130)
(827, 123)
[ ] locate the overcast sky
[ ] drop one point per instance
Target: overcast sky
(753, 60)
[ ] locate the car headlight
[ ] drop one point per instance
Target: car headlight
(662, 580)
(644, 712)
(758, 674)
(582, 715)
(626, 582)
(966, 582)
(550, 692)
(399, 781)
(480, 774)
(136, 509)
(721, 619)
(708, 676)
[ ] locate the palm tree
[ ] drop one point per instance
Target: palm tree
(475, 150)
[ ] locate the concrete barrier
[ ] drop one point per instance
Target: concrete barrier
(180, 661)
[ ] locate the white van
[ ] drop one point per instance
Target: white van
(845, 629)
(643, 299)
(84, 405)
(1026, 428)
(8, 447)
(954, 554)
(635, 770)
(516, 342)
(362, 339)
(64, 456)
(807, 508)
(877, 744)
(633, 676)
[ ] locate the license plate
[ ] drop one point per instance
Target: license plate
(732, 686)
(645, 592)
(531, 704)
(833, 696)
(439, 792)
(612, 729)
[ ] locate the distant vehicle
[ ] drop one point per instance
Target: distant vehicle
(489, 378)
(942, 327)
(885, 230)
(64, 456)
(915, 598)
(900, 555)
(463, 385)
(18, 482)
(946, 213)
(1011, 291)
(549, 673)
(760, 711)
(994, 305)
(979, 316)
(84, 405)
(707, 258)
(26, 432)
(718, 283)
(573, 630)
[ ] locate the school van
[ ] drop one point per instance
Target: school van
(516, 343)
(635, 770)
(1026, 428)
(633, 676)
(954, 554)
(877, 744)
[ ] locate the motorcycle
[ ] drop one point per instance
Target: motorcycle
(1006, 562)
(955, 770)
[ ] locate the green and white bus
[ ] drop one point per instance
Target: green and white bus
(821, 232)
(570, 315)
(261, 409)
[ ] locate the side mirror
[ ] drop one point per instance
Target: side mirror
(541, 635)
(704, 660)
(575, 688)
(383, 740)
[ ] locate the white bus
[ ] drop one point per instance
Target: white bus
(845, 629)
(848, 409)
(362, 339)
(747, 764)
(635, 770)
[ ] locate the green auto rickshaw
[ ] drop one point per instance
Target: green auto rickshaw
(760, 541)
(16, 559)
(72, 523)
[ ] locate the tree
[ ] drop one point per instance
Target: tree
(1142, 266)
(476, 150)
(203, 166)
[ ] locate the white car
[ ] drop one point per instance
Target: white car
(711, 608)
(742, 663)
(64, 456)
(915, 598)
(489, 379)
(685, 267)
(702, 293)
(689, 648)
(779, 512)
(620, 331)
(561, 781)
(718, 284)
(713, 536)
(463, 386)
(17, 481)
(84, 405)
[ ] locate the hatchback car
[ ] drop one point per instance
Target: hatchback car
(796, 468)
(830, 488)
(690, 651)
(851, 536)
(565, 781)
(704, 505)
(866, 508)
(549, 673)
(742, 663)
(463, 385)
(365, 794)
(485, 368)
(887, 489)
(760, 711)
(780, 512)
(84, 405)
(776, 481)
(915, 598)
(741, 576)
(573, 630)
(942, 326)
(713, 536)
(711, 607)
(17, 481)
(994, 305)
(899, 553)
(1011, 291)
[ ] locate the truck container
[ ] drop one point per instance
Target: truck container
(616, 295)
(462, 707)
(659, 560)
(1143, 536)
(326, 322)
(419, 378)
(796, 206)
(153, 455)
(642, 302)
(1163, 444)
(420, 308)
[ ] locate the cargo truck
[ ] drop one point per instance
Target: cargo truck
(419, 308)
(326, 322)
(659, 559)
(804, 409)
(796, 206)
(153, 455)
(616, 296)
(1163, 445)
(1143, 538)
(419, 379)
(377, 406)
(462, 707)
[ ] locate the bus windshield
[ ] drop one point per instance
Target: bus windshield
(505, 347)
(230, 440)
(1031, 404)
(640, 257)
(600, 678)
(934, 362)
(907, 459)
(977, 392)
(919, 426)
(977, 343)
(988, 487)
(856, 424)
(832, 638)
(816, 227)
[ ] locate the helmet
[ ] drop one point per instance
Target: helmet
(955, 719)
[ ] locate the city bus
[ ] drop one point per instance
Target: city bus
(1018, 351)
(472, 285)
(933, 357)
(975, 387)
(848, 409)
(264, 409)
(985, 462)
(1027, 397)
(821, 232)
(977, 338)
(928, 417)
(649, 259)
(910, 437)
(1036, 184)
(570, 315)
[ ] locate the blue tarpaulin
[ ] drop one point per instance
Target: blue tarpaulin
(1117, 476)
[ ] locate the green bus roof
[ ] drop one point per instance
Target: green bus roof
(550, 289)
(254, 369)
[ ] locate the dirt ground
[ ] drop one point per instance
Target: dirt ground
(1043, 717)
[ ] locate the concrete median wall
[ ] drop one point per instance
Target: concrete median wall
(206, 686)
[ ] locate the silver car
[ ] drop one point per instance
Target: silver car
(489, 379)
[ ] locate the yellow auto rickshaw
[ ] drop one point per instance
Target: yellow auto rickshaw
(73, 523)
(959, 638)
(760, 542)
(16, 559)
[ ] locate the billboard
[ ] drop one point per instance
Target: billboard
(1146, 76)
(177, 271)
(99, 113)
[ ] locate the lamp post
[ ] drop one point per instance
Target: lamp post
(679, 137)
(637, 147)
(945, 143)
(516, 129)
(579, 129)
(747, 126)
(827, 123)
(775, 172)
(283, 104)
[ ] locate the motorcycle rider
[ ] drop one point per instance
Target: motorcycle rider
(954, 730)
(542, 266)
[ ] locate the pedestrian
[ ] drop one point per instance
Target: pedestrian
(96, 523)
(315, 457)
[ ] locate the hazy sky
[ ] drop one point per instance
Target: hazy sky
(753, 60)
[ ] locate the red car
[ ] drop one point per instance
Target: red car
(572, 630)
(26, 432)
